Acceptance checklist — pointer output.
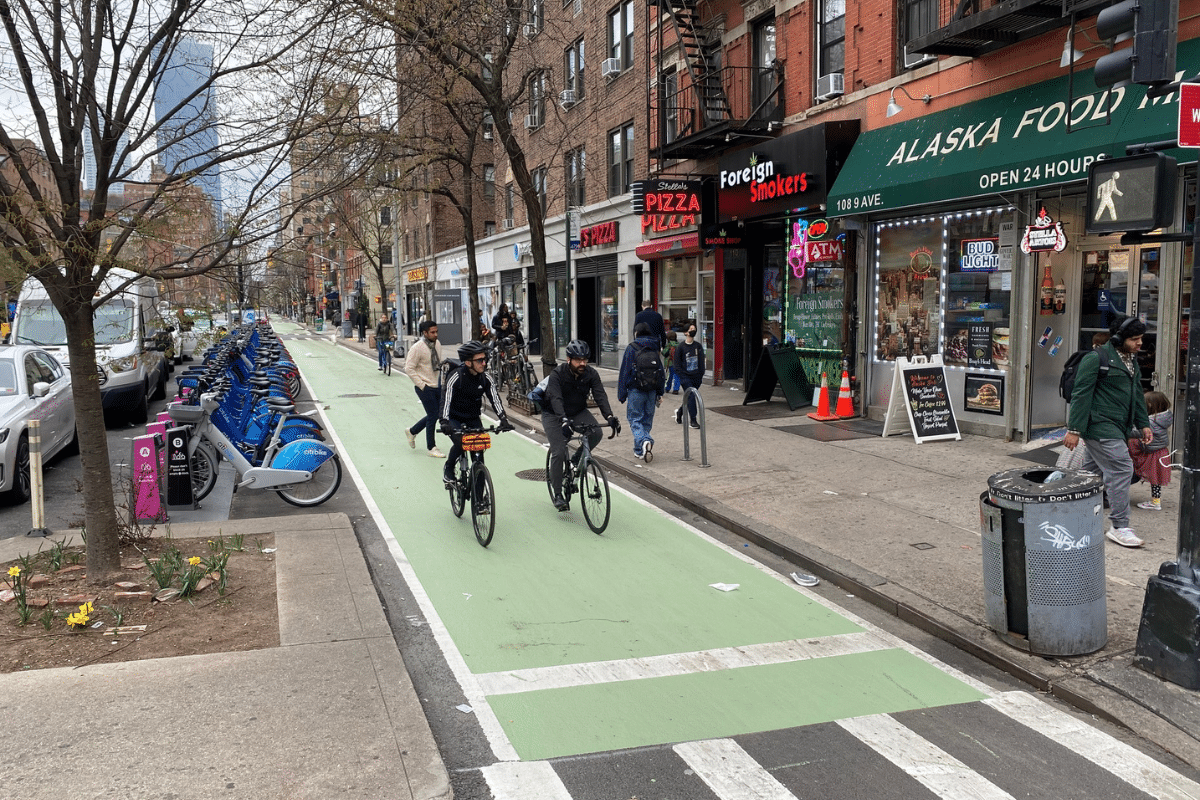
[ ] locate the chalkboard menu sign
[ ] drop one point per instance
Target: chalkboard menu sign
(920, 384)
(979, 345)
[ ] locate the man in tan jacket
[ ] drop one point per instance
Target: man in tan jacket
(422, 366)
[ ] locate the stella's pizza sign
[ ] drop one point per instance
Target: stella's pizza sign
(667, 206)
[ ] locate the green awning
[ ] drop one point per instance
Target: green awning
(1008, 143)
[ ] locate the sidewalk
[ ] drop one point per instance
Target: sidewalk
(897, 523)
(329, 713)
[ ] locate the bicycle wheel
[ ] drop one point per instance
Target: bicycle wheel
(593, 493)
(483, 504)
(387, 361)
(324, 484)
(458, 491)
(204, 473)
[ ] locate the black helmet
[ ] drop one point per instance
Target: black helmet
(578, 349)
(471, 349)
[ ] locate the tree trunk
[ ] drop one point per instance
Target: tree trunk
(100, 513)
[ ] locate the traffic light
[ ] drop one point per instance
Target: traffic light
(1135, 193)
(1150, 59)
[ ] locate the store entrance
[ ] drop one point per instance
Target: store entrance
(1117, 282)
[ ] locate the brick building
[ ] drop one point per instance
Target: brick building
(870, 178)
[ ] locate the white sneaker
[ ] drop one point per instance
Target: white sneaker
(1124, 537)
(1151, 505)
(435, 453)
(412, 438)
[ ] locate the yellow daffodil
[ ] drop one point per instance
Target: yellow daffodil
(86, 609)
(194, 560)
(14, 571)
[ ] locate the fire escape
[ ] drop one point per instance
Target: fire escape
(700, 111)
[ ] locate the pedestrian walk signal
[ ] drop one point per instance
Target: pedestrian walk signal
(1131, 194)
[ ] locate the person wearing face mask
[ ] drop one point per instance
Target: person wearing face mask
(689, 366)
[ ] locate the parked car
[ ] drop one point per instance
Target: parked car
(33, 385)
(196, 324)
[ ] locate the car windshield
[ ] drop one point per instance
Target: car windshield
(40, 323)
(8, 379)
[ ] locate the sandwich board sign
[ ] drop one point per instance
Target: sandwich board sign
(920, 385)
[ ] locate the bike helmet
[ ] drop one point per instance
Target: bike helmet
(471, 349)
(578, 349)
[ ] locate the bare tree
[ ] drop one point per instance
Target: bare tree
(84, 81)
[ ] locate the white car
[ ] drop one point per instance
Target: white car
(200, 325)
(33, 386)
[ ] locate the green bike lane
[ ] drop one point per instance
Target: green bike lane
(565, 642)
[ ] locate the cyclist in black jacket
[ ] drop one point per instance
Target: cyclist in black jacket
(567, 394)
(462, 401)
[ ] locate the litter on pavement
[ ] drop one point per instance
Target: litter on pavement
(725, 587)
(804, 579)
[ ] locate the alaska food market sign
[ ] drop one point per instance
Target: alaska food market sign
(1011, 142)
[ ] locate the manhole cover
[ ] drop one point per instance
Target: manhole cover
(538, 475)
(922, 546)
(358, 395)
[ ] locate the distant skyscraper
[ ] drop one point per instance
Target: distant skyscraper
(89, 162)
(188, 133)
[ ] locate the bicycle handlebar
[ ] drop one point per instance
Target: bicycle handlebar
(588, 427)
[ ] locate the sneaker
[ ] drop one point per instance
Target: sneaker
(638, 453)
(560, 503)
(1124, 537)
(679, 416)
(412, 438)
(694, 424)
(379, 369)
(1151, 505)
(447, 481)
(435, 453)
(648, 451)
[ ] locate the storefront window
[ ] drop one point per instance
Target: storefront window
(956, 255)
(609, 320)
(773, 280)
(558, 310)
(680, 279)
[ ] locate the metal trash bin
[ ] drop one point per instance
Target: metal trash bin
(1043, 560)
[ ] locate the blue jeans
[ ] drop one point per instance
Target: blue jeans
(429, 401)
(639, 409)
(673, 379)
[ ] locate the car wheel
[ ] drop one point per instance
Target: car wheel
(160, 389)
(22, 486)
(141, 411)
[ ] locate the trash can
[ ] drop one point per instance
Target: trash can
(1043, 560)
(320, 325)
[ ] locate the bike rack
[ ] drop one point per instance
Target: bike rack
(687, 449)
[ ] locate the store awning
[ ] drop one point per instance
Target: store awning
(667, 247)
(1008, 143)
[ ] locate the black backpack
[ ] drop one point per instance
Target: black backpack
(648, 373)
(1066, 383)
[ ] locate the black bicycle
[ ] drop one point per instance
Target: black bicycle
(473, 481)
(582, 474)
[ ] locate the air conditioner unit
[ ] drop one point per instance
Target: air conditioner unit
(487, 134)
(830, 86)
(566, 98)
(912, 59)
(532, 121)
(529, 30)
(610, 67)
(506, 224)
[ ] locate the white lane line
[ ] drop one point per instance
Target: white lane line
(568, 675)
(502, 748)
(1127, 763)
(932, 767)
(730, 771)
(524, 780)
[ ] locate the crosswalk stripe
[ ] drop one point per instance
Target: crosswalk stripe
(730, 771)
(934, 768)
(524, 780)
(570, 675)
(1127, 763)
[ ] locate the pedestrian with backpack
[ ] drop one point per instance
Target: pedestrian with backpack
(1107, 408)
(640, 386)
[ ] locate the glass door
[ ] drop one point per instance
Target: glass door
(1116, 282)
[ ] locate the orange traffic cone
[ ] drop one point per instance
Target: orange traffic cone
(823, 403)
(845, 403)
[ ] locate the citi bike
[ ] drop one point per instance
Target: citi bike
(304, 472)
(584, 476)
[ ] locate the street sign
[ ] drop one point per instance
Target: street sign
(1189, 115)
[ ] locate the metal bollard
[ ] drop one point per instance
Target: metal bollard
(687, 449)
(36, 498)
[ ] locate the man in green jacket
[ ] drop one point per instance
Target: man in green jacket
(1106, 409)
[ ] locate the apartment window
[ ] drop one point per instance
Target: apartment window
(537, 100)
(573, 68)
(764, 64)
(537, 15)
(620, 34)
(385, 255)
(489, 181)
(576, 163)
(620, 160)
(385, 215)
(539, 186)
(489, 228)
(669, 103)
(508, 200)
(489, 125)
(831, 37)
(917, 18)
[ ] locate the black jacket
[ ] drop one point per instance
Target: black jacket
(567, 395)
(654, 320)
(682, 351)
(462, 396)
